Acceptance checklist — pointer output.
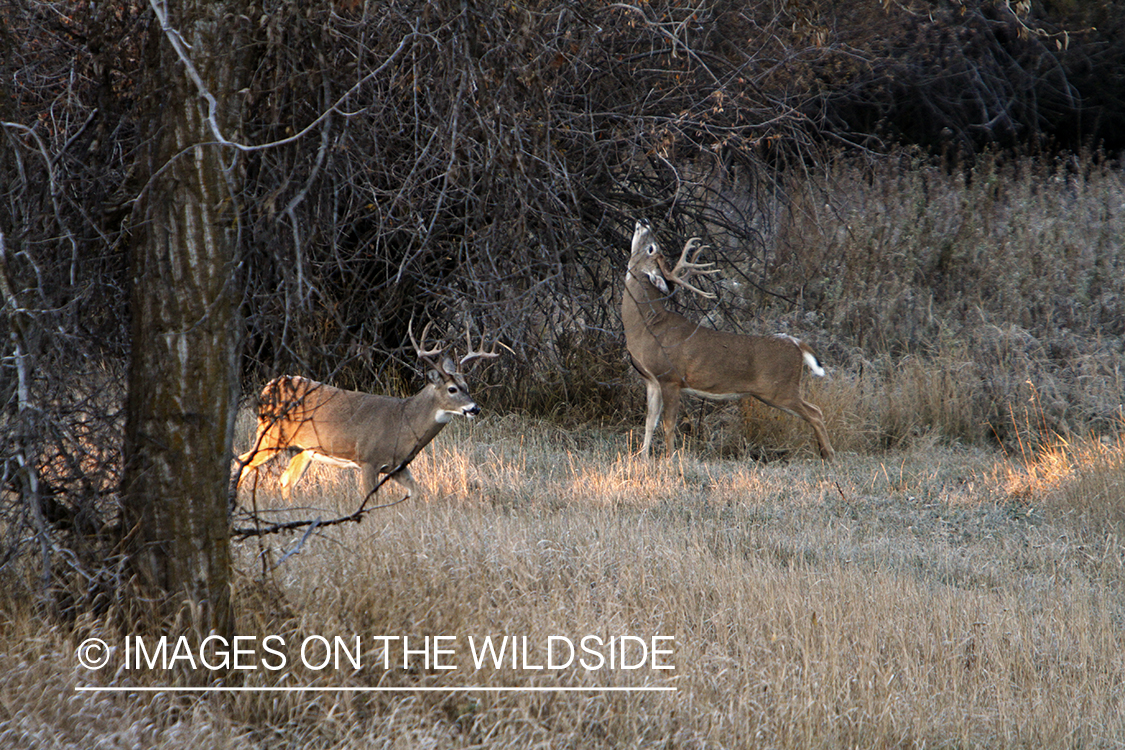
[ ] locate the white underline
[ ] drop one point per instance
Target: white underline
(464, 689)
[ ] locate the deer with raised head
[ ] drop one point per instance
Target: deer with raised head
(675, 355)
(376, 434)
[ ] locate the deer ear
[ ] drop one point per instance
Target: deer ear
(434, 377)
(658, 281)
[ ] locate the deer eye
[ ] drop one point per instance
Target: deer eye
(452, 390)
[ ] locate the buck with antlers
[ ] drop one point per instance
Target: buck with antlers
(376, 434)
(675, 355)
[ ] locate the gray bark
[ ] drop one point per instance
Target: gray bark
(182, 376)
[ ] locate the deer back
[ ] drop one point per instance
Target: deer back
(669, 347)
(362, 428)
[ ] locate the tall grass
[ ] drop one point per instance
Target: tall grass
(877, 603)
(957, 293)
(937, 297)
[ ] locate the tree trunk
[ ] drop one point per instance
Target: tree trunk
(182, 374)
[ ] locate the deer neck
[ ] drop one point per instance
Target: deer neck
(642, 300)
(421, 417)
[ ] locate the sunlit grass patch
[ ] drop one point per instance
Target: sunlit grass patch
(896, 598)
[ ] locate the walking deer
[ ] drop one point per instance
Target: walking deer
(376, 434)
(675, 355)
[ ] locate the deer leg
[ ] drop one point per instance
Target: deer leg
(655, 404)
(670, 393)
(798, 407)
(815, 417)
(255, 457)
(294, 472)
(369, 480)
(406, 480)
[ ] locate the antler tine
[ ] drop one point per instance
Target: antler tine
(472, 354)
(692, 265)
(687, 268)
(427, 355)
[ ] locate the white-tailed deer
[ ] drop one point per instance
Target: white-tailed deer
(376, 434)
(675, 355)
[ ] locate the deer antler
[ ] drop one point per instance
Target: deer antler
(426, 355)
(473, 354)
(685, 268)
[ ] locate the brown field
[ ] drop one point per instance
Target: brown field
(955, 579)
(930, 596)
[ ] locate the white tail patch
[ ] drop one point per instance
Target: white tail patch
(814, 366)
(708, 363)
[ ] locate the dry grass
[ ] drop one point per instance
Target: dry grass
(940, 300)
(924, 597)
(948, 296)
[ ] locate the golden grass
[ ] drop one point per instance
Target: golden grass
(908, 599)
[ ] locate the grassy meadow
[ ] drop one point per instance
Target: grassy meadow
(955, 579)
(937, 596)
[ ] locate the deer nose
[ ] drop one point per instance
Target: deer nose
(472, 410)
